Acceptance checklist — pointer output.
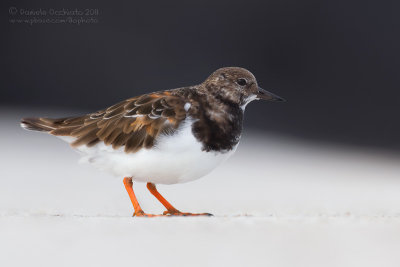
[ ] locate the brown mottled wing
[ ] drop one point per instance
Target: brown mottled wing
(134, 123)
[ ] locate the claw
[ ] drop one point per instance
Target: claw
(178, 213)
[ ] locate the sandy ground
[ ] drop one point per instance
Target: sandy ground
(277, 202)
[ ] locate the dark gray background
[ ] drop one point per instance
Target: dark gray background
(336, 63)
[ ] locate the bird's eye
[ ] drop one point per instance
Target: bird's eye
(241, 82)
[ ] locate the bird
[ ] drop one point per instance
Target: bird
(166, 137)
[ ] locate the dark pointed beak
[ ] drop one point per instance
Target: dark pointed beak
(265, 95)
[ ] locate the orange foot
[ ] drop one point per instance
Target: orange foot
(171, 210)
(141, 213)
(176, 212)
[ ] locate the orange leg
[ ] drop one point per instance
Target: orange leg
(170, 209)
(138, 210)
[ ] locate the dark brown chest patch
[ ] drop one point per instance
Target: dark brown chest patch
(219, 124)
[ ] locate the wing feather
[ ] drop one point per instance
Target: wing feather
(134, 123)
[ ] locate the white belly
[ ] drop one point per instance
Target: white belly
(174, 159)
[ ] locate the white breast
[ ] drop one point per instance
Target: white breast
(174, 159)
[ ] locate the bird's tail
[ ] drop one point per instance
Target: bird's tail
(40, 124)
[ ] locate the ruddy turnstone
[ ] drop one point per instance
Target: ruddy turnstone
(166, 137)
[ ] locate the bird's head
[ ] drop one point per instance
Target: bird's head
(236, 85)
